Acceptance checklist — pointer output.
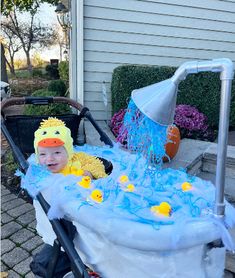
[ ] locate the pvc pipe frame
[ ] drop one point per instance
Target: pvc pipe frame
(225, 67)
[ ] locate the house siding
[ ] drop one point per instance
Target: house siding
(148, 32)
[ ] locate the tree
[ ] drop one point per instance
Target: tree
(22, 5)
(3, 65)
(19, 63)
(37, 60)
(60, 39)
(31, 34)
(12, 45)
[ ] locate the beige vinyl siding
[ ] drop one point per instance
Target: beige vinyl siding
(148, 32)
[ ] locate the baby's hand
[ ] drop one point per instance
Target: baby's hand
(87, 173)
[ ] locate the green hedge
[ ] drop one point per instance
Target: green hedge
(52, 71)
(51, 109)
(200, 90)
(57, 86)
(64, 71)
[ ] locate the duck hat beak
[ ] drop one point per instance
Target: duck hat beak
(51, 142)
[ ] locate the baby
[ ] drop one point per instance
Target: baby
(54, 149)
(53, 146)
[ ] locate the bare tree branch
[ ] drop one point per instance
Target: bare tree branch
(31, 33)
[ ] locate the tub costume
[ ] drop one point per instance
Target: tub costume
(138, 222)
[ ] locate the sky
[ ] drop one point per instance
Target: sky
(46, 15)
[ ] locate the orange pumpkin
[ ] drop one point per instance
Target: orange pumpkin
(173, 136)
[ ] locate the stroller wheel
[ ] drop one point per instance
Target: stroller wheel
(69, 275)
(91, 273)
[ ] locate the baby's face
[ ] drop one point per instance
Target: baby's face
(54, 158)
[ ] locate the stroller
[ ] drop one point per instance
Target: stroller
(186, 249)
(20, 140)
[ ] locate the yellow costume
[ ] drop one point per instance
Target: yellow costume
(87, 163)
(53, 132)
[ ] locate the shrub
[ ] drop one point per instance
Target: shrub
(37, 72)
(26, 87)
(51, 109)
(64, 71)
(10, 164)
(22, 73)
(57, 86)
(202, 91)
(127, 78)
(52, 71)
(199, 90)
(232, 113)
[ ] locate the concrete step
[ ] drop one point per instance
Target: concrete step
(229, 189)
(196, 156)
(189, 156)
(230, 197)
(210, 159)
(93, 137)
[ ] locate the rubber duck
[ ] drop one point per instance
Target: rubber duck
(163, 209)
(85, 182)
(186, 186)
(123, 179)
(97, 196)
(129, 188)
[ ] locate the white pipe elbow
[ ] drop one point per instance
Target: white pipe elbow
(223, 65)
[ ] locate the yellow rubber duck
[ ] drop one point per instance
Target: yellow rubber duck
(85, 182)
(97, 196)
(123, 179)
(129, 188)
(186, 186)
(163, 209)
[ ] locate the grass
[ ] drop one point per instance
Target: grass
(25, 74)
(20, 74)
(10, 163)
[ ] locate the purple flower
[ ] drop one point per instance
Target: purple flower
(116, 123)
(192, 123)
(189, 117)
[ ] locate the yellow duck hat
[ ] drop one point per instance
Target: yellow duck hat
(53, 133)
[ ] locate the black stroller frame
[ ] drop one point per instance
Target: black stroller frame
(24, 126)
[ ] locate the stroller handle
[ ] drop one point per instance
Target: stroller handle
(84, 111)
(40, 101)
